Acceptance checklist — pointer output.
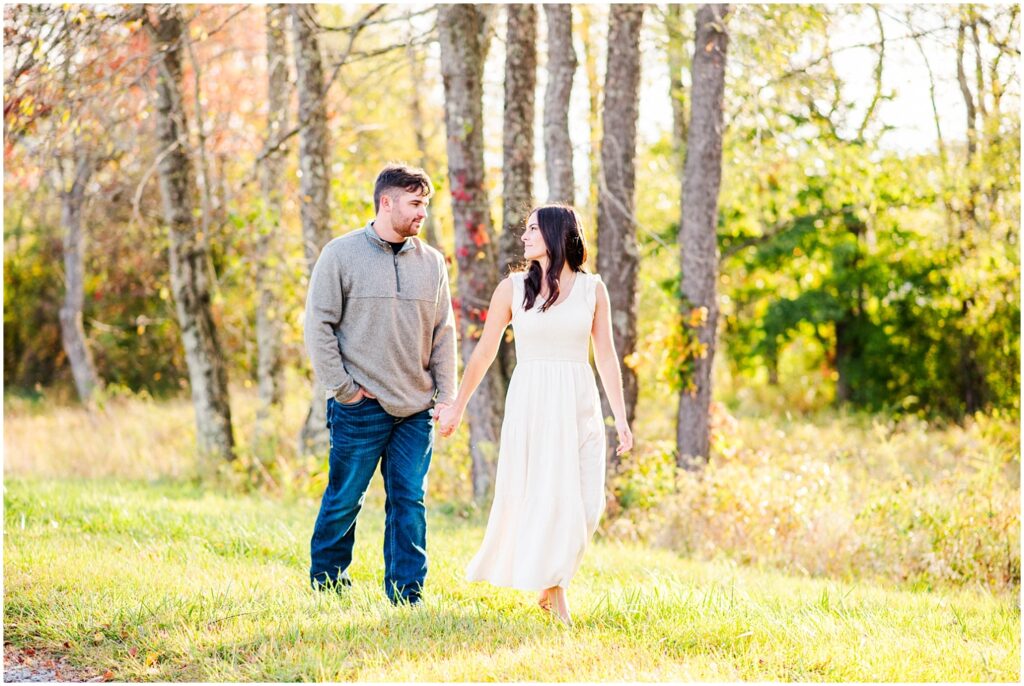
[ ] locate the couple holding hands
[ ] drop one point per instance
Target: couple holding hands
(380, 333)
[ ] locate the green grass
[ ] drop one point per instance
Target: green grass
(168, 582)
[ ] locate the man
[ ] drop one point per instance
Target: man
(380, 333)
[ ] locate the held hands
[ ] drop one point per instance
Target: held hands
(447, 417)
(625, 437)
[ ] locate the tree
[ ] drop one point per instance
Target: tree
(464, 38)
(189, 254)
(269, 309)
(561, 68)
(517, 131)
(430, 233)
(677, 62)
(72, 198)
(697, 229)
(517, 144)
(313, 185)
(589, 29)
(617, 254)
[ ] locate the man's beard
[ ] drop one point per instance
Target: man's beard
(409, 228)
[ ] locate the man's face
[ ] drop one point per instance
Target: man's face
(408, 210)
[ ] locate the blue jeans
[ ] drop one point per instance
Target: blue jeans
(363, 434)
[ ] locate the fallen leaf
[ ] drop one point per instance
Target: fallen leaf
(133, 651)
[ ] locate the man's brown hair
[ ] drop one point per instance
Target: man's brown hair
(402, 176)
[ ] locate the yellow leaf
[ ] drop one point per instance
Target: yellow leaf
(151, 658)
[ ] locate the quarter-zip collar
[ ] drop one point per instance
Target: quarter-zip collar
(373, 237)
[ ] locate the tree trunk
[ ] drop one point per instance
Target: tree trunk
(697, 232)
(313, 186)
(269, 265)
(593, 113)
(430, 234)
(72, 332)
(463, 41)
(560, 68)
(617, 254)
(677, 62)
(189, 259)
(517, 156)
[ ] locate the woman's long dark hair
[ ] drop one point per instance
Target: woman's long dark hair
(563, 235)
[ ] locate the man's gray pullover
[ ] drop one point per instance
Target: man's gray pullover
(382, 321)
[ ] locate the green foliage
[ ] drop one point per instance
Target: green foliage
(32, 296)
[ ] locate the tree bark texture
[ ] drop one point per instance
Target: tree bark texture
(698, 224)
(314, 207)
(517, 134)
(72, 200)
(189, 261)
(617, 253)
(463, 41)
(561, 68)
(517, 146)
(269, 265)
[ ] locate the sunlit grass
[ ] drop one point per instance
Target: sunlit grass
(174, 582)
(888, 560)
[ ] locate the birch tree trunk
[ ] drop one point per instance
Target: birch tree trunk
(463, 41)
(617, 253)
(189, 259)
(313, 186)
(269, 266)
(561, 68)
(697, 230)
(72, 199)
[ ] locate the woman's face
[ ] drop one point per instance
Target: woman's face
(534, 247)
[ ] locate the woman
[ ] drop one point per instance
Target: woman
(549, 489)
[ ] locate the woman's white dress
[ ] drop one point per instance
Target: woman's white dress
(549, 487)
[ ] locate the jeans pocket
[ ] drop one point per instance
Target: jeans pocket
(349, 406)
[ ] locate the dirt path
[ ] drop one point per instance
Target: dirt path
(30, 665)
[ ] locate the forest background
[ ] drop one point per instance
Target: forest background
(822, 373)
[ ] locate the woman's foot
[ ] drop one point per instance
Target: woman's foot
(544, 601)
(559, 604)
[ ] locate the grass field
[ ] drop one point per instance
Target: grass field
(120, 556)
(174, 583)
